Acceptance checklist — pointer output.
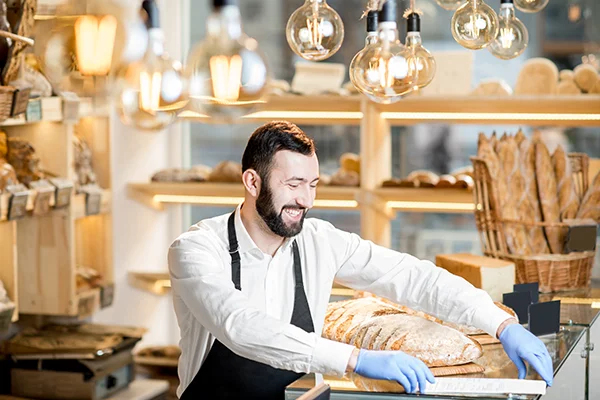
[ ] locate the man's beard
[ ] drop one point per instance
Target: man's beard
(274, 219)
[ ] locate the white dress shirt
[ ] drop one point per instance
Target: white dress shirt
(255, 323)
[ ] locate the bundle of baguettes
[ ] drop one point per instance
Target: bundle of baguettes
(533, 186)
(369, 323)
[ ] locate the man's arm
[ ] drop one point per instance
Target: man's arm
(200, 279)
(414, 283)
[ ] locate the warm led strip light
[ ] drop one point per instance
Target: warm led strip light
(287, 114)
(489, 116)
(234, 201)
(427, 205)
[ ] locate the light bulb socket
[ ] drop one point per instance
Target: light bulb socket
(372, 21)
(506, 1)
(151, 10)
(413, 23)
(223, 3)
(388, 11)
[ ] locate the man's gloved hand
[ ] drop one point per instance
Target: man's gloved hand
(397, 366)
(521, 345)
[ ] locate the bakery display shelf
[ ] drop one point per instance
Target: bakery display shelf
(339, 110)
(157, 283)
(427, 199)
(79, 207)
(308, 110)
(157, 194)
(583, 110)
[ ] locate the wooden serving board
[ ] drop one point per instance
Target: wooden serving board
(484, 339)
(470, 368)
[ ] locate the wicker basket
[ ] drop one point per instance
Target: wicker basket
(6, 101)
(553, 272)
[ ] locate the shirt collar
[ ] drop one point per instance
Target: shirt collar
(245, 242)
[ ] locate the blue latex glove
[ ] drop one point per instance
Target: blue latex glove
(397, 366)
(521, 345)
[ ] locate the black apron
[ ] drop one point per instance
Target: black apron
(224, 374)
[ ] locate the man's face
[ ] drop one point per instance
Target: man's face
(285, 199)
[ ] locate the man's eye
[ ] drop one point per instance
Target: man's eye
(313, 186)
(293, 185)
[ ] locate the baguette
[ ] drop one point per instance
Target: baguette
(567, 196)
(590, 205)
(520, 137)
(547, 189)
(537, 239)
(487, 153)
(446, 181)
(515, 234)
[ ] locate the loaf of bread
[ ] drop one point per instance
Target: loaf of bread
(520, 137)
(537, 238)
(390, 329)
(492, 87)
(590, 204)
(567, 87)
(515, 234)
(446, 181)
(468, 170)
(343, 177)
(547, 188)
(8, 175)
(24, 159)
(596, 88)
(464, 181)
(226, 172)
(425, 178)
(566, 75)
(567, 196)
(585, 76)
(486, 152)
(350, 162)
(538, 76)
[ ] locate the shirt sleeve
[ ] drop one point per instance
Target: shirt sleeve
(415, 283)
(199, 277)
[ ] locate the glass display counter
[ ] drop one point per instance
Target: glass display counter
(576, 369)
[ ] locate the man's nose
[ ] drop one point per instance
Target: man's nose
(306, 198)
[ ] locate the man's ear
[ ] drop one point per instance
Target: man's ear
(251, 182)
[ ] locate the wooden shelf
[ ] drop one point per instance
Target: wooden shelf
(158, 283)
(582, 110)
(156, 194)
(579, 110)
(428, 200)
(308, 110)
(222, 194)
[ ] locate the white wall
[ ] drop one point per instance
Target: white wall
(141, 236)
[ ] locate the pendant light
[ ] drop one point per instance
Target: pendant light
(421, 63)
(512, 38)
(151, 91)
(450, 4)
(474, 25)
(531, 6)
(315, 31)
(227, 72)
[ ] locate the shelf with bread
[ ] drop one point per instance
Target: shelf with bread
(55, 206)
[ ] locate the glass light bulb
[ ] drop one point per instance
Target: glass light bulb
(531, 6)
(381, 70)
(227, 73)
(150, 92)
(315, 31)
(79, 50)
(421, 64)
(450, 4)
(512, 38)
(474, 25)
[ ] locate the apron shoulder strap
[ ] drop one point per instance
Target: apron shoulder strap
(233, 250)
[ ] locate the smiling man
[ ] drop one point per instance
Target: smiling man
(250, 288)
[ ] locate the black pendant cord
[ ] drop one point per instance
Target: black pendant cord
(152, 17)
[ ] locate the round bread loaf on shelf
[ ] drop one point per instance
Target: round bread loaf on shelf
(538, 76)
(350, 162)
(585, 76)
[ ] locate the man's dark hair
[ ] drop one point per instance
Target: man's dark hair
(270, 138)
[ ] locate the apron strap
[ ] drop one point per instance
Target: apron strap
(233, 250)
